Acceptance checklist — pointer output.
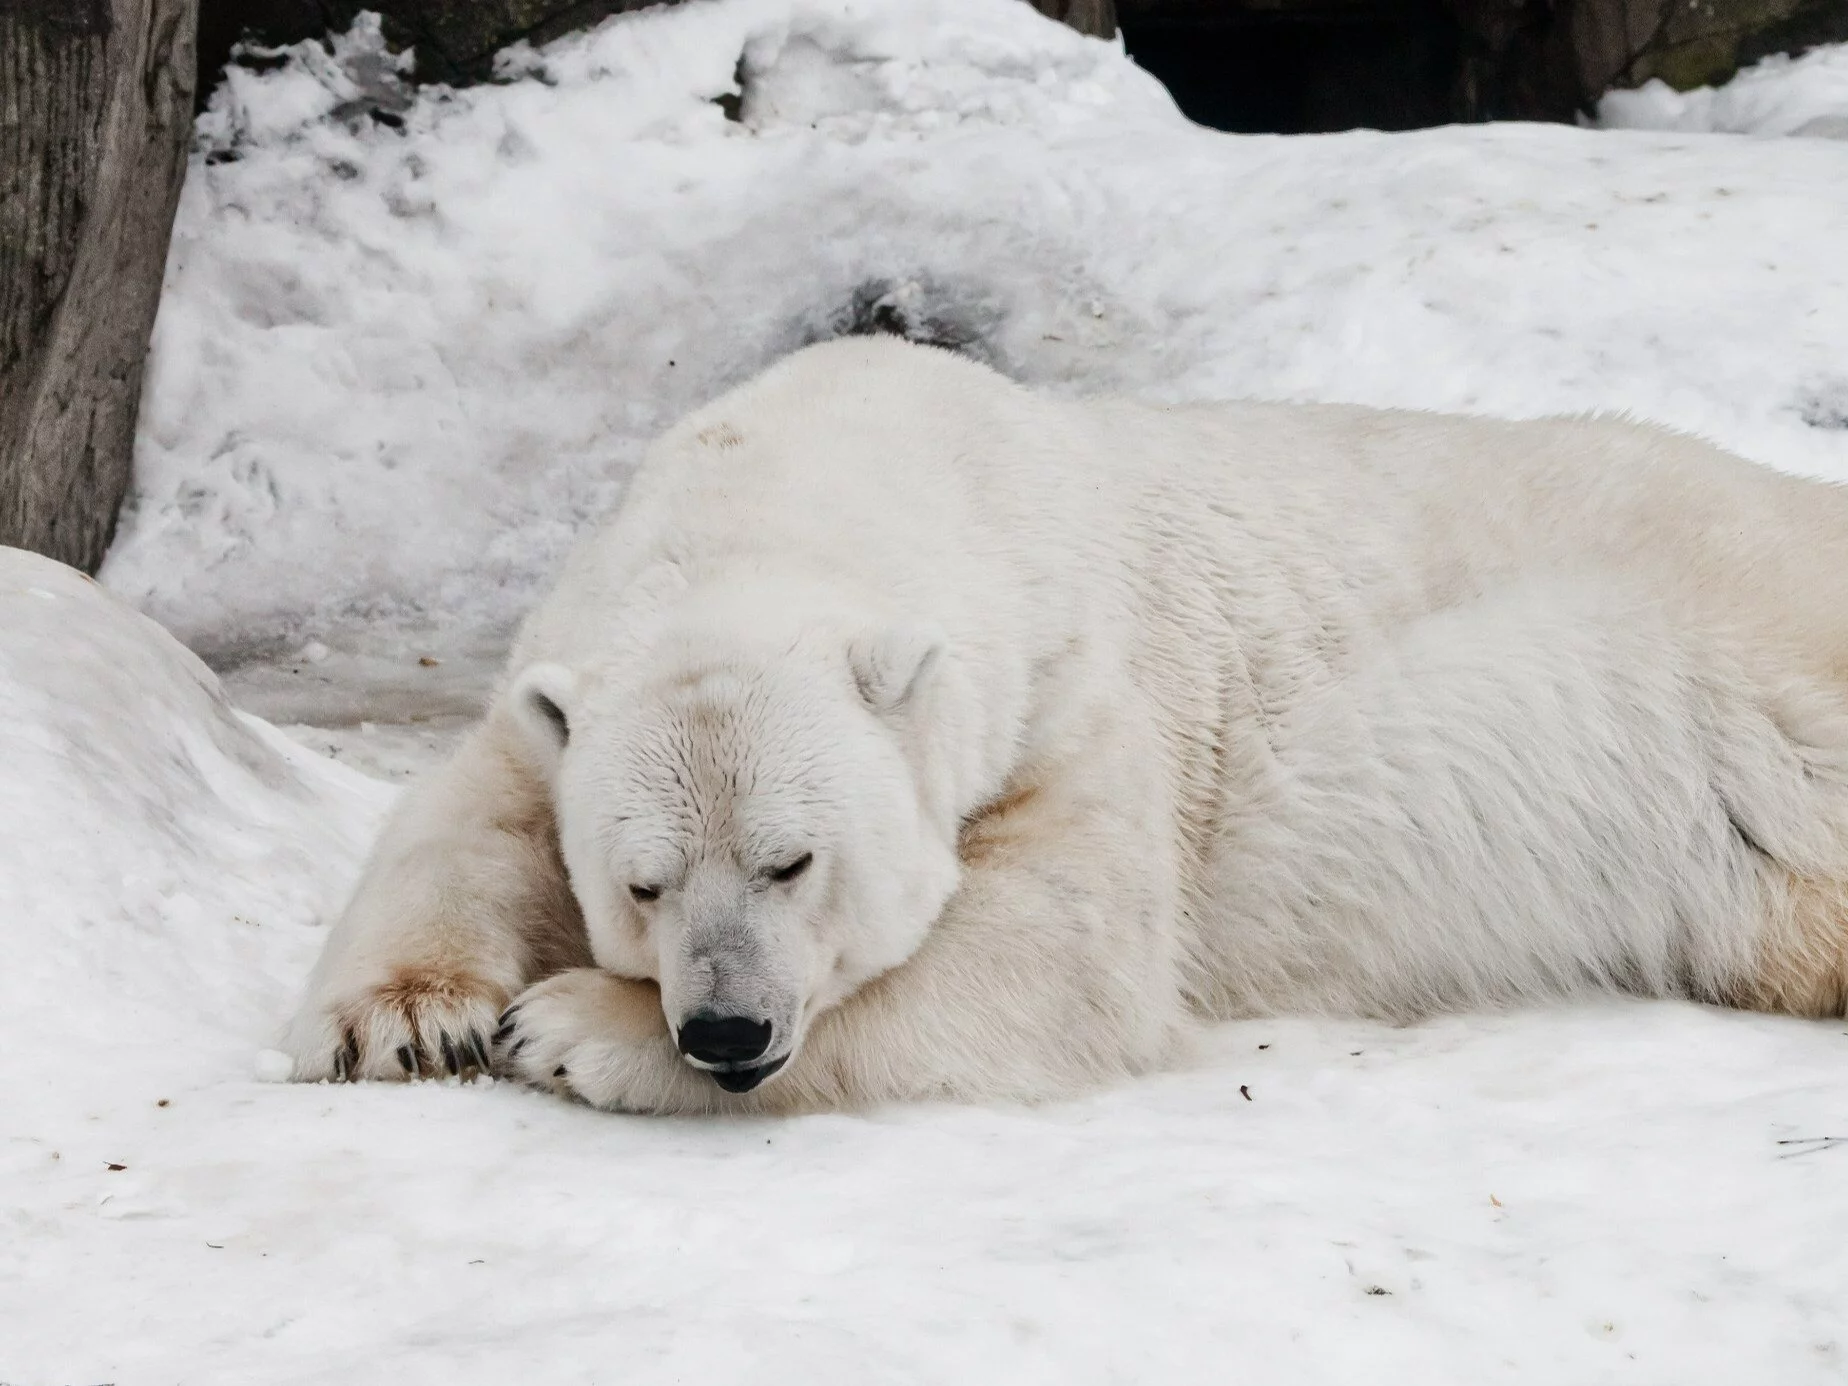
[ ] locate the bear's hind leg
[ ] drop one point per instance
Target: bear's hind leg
(1801, 963)
(1782, 774)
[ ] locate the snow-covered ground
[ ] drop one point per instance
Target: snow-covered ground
(401, 360)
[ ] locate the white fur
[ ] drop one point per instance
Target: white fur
(1100, 720)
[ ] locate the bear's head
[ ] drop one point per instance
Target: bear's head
(759, 833)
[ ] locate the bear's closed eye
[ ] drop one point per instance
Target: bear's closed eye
(793, 870)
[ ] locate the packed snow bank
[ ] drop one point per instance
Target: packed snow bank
(1805, 96)
(163, 863)
(1625, 1193)
(400, 362)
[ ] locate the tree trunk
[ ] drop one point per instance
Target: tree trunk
(95, 115)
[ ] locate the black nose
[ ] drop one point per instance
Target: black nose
(723, 1039)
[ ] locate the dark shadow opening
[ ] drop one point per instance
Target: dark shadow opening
(1380, 64)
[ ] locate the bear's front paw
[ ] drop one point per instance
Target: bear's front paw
(600, 1038)
(420, 1023)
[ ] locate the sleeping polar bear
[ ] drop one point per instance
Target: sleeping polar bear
(908, 734)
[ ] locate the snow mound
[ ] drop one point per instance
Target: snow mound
(1806, 96)
(165, 858)
(411, 343)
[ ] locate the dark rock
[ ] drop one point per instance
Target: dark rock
(1529, 59)
(1094, 17)
(1304, 65)
(959, 318)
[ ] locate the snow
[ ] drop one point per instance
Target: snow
(1780, 95)
(167, 860)
(435, 351)
(397, 365)
(1591, 1195)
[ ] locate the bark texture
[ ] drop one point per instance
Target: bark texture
(95, 114)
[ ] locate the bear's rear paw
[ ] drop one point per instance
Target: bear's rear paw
(421, 1023)
(600, 1038)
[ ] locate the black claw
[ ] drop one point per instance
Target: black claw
(407, 1057)
(350, 1056)
(450, 1061)
(506, 1017)
(559, 1072)
(478, 1050)
(518, 1045)
(506, 1029)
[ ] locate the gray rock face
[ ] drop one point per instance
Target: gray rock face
(1547, 61)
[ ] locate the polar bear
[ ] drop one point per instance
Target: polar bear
(909, 734)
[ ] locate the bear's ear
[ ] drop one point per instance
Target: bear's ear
(891, 667)
(542, 699)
